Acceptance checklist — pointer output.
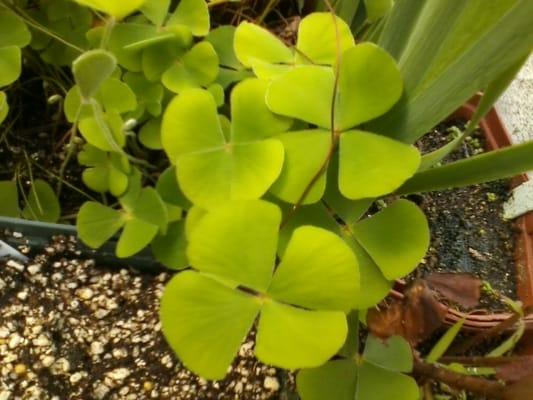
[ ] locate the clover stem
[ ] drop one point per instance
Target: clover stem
(35, 25)
(109, 25)
(335, 133)
(271, 4)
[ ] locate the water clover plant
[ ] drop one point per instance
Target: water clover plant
(321, 129)
(320, 37)
(366, 85)
(207, 312)
(376, 374)
(142, 217)
(13, 36)
(219, 161)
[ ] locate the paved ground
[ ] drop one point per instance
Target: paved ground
(516, 105)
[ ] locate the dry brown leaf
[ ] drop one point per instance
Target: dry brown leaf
(415, 317)
(461, 288)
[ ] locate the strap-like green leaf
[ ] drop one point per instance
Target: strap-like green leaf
(451, 65)
(485, 167)
(490, 95)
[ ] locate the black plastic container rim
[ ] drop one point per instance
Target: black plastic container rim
(37, 236)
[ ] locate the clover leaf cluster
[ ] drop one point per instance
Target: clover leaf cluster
(269, 176)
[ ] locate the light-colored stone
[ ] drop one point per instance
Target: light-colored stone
(97, 348)
(85, 293)
(5, 395)
(119, 374)
(520, 202)
(271, 383)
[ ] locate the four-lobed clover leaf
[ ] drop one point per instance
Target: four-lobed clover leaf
(107, 172)
(143, 216)
(207, 312)
(370, 165)
(377, 374)
(388, 245)
(364, 377)
(214, 166)
(150, 48)
(268, 56)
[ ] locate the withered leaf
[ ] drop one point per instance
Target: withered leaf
(415, 317)
(460, 288)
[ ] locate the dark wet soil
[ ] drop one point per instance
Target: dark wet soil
(468, 233)
(34, 141)
(72, 330)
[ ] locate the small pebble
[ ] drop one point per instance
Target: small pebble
(20, 369)
(97, 348)
(119, 374)
(85, 293)
(271, 383)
